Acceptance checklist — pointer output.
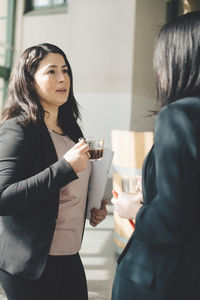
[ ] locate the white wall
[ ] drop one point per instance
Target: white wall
(150, 17)
(97, 37)
(109, 46)
(104, 112)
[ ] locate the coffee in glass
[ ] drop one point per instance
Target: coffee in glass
(96, 147)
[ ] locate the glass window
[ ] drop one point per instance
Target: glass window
(57, 2)
(47, 3)
(45, 6)
(40, 3)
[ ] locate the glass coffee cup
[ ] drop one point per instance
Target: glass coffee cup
(96, 147)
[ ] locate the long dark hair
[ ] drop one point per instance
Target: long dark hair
(177, 59)
(23, 101)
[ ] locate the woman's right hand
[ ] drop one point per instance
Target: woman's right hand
(78, 156)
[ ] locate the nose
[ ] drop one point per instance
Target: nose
(61, 77)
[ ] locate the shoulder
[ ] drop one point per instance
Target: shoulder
(179, 123)
(14, 128)
(181, 107)
(11, 126)
(181, 113)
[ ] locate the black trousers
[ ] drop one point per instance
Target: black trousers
(63, 279)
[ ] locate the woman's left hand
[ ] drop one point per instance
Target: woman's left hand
(98, 215)
(127, 205)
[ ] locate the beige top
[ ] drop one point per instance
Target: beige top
(69, 227)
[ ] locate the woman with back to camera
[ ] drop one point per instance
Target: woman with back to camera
(161, 260)
(44, 176)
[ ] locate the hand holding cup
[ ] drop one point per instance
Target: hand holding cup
(127, 205)
(78, 156)
(96, 148)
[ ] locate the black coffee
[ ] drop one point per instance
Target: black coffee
(96, 154)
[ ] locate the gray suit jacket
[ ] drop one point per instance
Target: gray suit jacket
(30, 179)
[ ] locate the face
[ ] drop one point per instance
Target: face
(52, 81)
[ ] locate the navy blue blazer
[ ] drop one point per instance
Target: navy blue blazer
(30, 180)
(162, 258)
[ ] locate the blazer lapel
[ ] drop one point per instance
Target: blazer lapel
(50, 155)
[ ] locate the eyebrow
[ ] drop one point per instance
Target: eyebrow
(54, 66)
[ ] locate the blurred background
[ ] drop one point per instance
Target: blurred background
(109, 44)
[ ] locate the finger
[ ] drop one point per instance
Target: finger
(97, 210)
(99, 213)
(99, 216)
(93, 223)
(98, 219)
(88, 155)
(104, 202)
(94, 210)
(115, 194)
(78, 145)
(84, 148)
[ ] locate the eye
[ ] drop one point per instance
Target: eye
(66, 71)
(51, 72)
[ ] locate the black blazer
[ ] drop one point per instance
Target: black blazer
(30, 179)
(162, 258)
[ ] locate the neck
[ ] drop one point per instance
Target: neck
(51, 119)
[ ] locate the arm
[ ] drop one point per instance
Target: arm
(170, 217)
(17, 195)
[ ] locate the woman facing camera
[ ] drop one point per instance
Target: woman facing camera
(161, 260)
(44, 176)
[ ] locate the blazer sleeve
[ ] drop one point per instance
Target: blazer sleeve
(18, 196)
(171, 216)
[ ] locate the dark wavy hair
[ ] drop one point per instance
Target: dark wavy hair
(177, 59)
(23, 101)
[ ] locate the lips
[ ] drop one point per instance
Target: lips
(61, 90)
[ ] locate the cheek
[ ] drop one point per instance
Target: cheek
(43, 86)
(47, 86)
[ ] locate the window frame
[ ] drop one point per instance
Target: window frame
(50, 8)
(5, 69)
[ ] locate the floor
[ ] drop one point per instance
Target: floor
(99, 259)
